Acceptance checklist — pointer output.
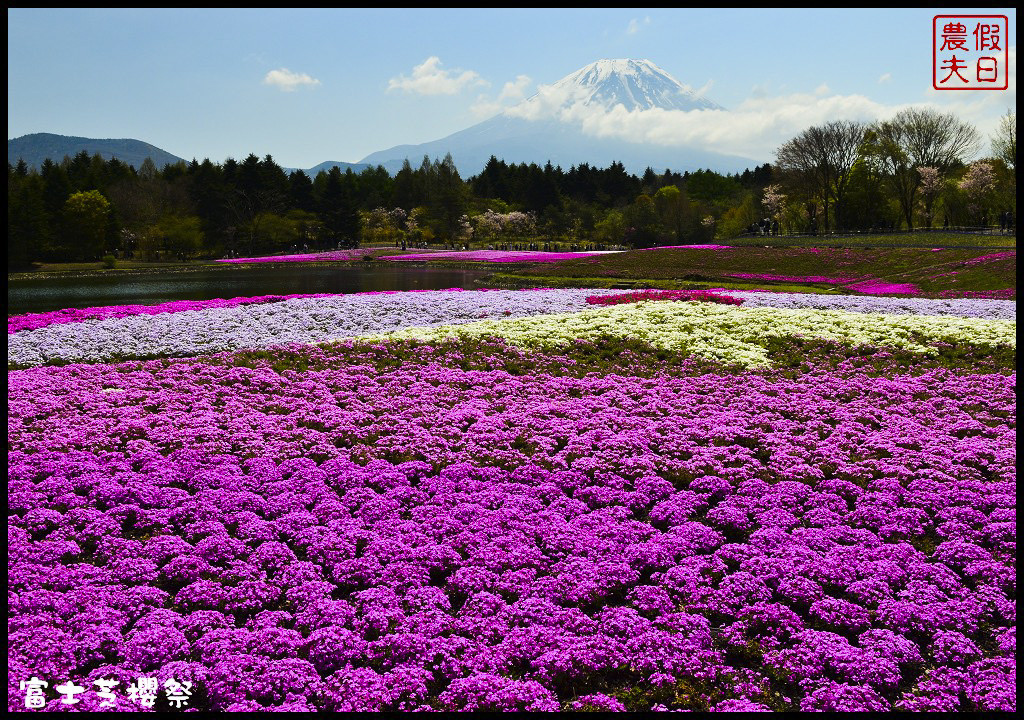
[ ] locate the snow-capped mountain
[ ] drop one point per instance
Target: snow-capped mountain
(582, 118)
(634, 84)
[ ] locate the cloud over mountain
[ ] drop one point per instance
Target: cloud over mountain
(429, 79)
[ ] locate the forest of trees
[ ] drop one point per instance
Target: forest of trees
(842, 176)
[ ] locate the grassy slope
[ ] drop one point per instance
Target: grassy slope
(933, 271)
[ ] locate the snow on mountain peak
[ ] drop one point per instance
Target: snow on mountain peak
(634, 84)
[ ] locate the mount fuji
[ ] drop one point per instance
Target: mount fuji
(578, 120)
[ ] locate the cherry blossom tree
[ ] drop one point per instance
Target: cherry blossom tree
(931, 184)
(978, 184)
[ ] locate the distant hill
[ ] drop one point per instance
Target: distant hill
(37, 147)
(343, 166)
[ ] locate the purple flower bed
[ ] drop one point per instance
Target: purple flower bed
(961, 307)
(1004, 294)
(346, 535)
(495, 256)
(34, 321)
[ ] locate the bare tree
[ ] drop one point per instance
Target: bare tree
(917, 138)
(250, 207)
(822, 158)
(1004, 142)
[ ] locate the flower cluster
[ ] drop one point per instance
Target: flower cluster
(735, 335)
(453, 523)
(349, 539)
(977, 308)
(496, 256)
(682, 295)
(34, 321)
(881, 287)
(228, 325)
(773, 277)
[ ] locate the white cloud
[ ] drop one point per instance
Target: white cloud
(885, 78)
(634, 25)
(512, 92)
(703, 89)
(515, 90)
(754, 129)
(484, 107)
(429, 79)
(288, 81)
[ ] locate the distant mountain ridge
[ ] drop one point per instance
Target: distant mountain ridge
(327, 165)
(37, 147)
(544, 127)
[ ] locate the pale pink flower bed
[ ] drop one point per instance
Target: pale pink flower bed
(496, 256)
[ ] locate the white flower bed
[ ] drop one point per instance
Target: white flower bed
(298, 320)
(990, 309)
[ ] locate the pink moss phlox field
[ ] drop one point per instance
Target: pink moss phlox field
(681, 295)
(792, 278)
(881, 287)
(427, 537)
(866, 286)
(992, 257)
(495, 256)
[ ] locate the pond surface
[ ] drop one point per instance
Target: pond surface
(45, 294)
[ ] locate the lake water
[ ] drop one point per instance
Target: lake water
(42, 294)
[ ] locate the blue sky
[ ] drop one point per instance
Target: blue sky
(312, 85)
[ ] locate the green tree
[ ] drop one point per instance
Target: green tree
(86, 223)
(449, 198)
(674, 212)
(28, 225)
(611, 229)
(642, 224)
(337, 207)
(180, 235)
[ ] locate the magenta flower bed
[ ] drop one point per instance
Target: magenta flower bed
(869, 286)
(496, 256)
(792, 278)
(880, 287)
(681, 295)
(350, 536)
